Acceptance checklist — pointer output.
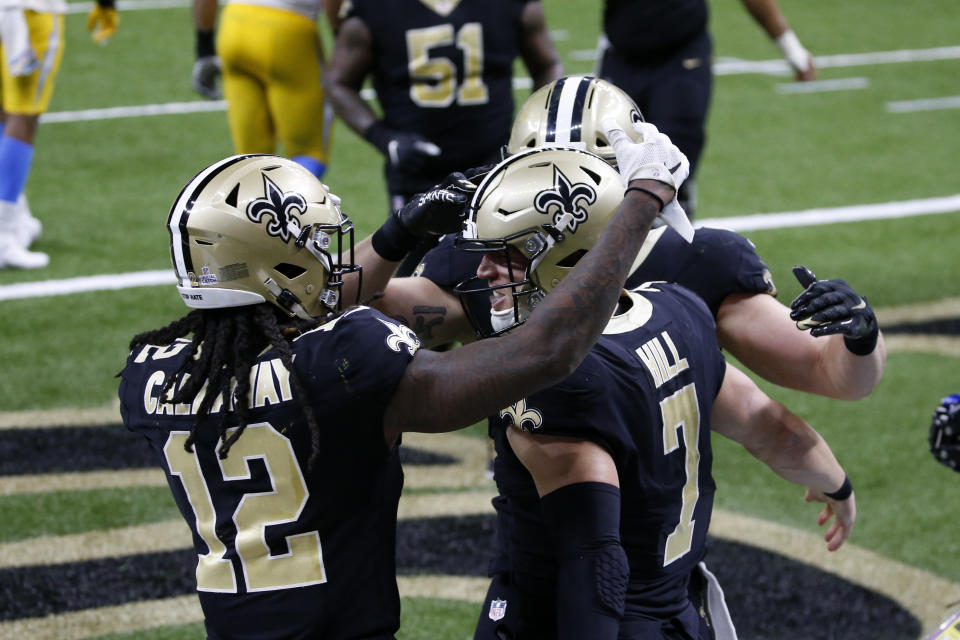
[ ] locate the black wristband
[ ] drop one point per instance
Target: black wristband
(391, 241)
(107, 4)
(649, 193)
(862, 346)
(843, 492)
(379, 135)
(205, 46)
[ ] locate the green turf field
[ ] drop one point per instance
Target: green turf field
(103, 188)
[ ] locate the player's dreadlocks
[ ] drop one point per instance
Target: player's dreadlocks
(225, 345)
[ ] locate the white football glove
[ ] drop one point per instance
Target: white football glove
(206, 70)
(656, 158)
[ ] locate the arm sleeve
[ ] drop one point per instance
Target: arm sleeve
(592, 568)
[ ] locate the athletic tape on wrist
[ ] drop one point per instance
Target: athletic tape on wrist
(793, 51)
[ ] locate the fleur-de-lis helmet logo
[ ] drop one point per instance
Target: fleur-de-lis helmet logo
(279, 206)
(565, 197)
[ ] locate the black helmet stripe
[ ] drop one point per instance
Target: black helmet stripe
(180, 213)
(565, 112)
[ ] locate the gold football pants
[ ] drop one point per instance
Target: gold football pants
(272, 61)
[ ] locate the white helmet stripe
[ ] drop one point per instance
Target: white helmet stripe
(180, 212)
(565, 117)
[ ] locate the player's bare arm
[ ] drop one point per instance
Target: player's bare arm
(786, 444)
(434, 313)
(556, 461)
(768, 15)
(350, 62)
(446, 391)
(757, 329)
(536, 48)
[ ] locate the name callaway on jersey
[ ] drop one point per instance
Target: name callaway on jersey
(269, 384)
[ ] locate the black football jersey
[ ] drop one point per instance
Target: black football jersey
(646, 30)
(718, 263)
(289, 549)
(645, 394)
(444, 70)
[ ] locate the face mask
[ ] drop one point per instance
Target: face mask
(503, 319)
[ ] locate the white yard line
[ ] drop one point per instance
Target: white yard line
(819, 86)
(725, 66)
(786, 219)
(928, 104)
(733, 66)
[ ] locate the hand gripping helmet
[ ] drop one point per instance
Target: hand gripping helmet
(259, 228)
(568, 112)
(550, 204)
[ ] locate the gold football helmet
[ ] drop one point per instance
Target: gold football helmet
(260, 228)
(568, 112)
(551, 204)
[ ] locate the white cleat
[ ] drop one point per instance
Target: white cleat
(28, 228)
(12, 255)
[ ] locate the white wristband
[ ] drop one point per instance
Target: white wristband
(793, 51)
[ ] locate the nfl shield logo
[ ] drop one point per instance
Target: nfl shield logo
(497, 610)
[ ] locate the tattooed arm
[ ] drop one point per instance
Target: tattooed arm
(450, 390)
(433, 312)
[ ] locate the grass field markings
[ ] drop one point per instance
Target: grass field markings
(167, 535)
(928, 104)
(83, 284)
(81, 481)
(469, 472)
(938, 345)
(468, 589)
(919, 312)
(136, 616)
(783, 220)
(59, 418)
(836, 215)
(820, 86)
(170, 535)
(124, 618)
(130, 5)
(728, 66)
(134, 111)
(926, 595)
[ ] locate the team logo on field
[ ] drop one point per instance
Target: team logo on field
(401, 336)
(565, 197)
(523, 418)
(498, 609)
(279, 206)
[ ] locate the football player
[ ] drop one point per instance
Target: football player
(838, 351)
(668, 72)
(443, 74)
(277, 421)
(607, 474)
(31, 47)
(271, 58)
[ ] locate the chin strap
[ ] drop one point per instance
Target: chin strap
(286, 299)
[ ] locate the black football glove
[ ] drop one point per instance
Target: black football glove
(442, 209)
(945, 432)
(832, 306)
(403, 149)
(206, 71)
